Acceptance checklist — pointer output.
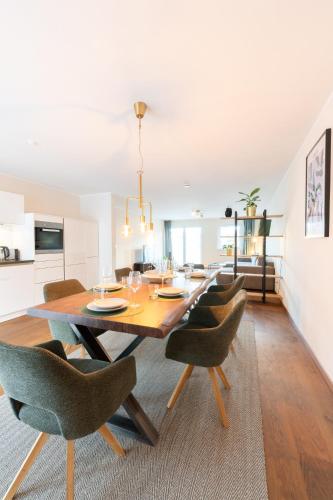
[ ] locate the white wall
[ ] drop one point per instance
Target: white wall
(42, 199)
(308, 268)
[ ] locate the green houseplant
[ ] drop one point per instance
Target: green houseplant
(251, 201)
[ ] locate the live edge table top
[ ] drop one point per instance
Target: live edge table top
(155, 318)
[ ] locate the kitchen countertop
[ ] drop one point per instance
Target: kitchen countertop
(15, 262)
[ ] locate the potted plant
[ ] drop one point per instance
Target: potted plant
(251, 201)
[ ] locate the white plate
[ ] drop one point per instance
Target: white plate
(109, 304)
(170, 291)
(157, 276)
(92, 307)
(109, 286)
(198, 274)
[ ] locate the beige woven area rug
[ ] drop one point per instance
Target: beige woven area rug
(196, 458)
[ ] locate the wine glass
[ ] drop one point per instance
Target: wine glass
(135, 282)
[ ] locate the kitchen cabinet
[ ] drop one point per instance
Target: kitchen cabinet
(92, 271)
(11, 208)
(81, 251)
(47, 269)
(78, 272)
(16, 289)
(74, 241)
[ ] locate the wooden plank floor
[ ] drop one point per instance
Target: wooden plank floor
(297, 410)
(297, 403)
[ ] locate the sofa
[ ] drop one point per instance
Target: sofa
(251, 266)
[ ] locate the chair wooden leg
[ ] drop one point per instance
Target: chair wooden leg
(180, 386)
(31, 457)
(112, 440)
(218, 397)
(70, 471)
(223, 377)
(67, 348)
(82, 352)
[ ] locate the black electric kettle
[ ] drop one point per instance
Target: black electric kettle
(4, 253)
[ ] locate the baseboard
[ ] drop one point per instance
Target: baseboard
(314, 358)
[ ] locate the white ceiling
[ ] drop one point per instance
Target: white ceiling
(232, 88)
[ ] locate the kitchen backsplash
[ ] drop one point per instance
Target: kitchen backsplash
(11, 236)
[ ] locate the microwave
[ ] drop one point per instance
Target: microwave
(49, 237)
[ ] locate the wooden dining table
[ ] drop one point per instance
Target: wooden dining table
(153, 318)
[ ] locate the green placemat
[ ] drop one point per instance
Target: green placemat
(91, 290)
(129, 311)
(179, 297)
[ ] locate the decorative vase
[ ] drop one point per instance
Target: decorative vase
(228, 212)
(251, 211)
(229, 251)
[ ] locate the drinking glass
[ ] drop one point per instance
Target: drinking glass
(124, 281)
(153, 291)
(135, 282)
(188, 272)
(163, 270)
(99, 293)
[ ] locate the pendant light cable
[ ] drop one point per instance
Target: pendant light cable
(140, 171)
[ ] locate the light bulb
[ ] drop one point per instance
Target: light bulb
(142, 224)
(150, 237)
(126, 230)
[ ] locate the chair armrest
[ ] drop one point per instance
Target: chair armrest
(54, 346)
(110, 386)
(196, 347)
(107, 375)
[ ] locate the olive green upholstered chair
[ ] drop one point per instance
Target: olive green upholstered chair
(223, 292)
(39, 383)
(122, 272)
(204, 341)
(59, 329)
(220, 295)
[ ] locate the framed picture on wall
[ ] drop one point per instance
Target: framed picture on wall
(317, 194)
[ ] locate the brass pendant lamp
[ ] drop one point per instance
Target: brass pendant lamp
(140, 109)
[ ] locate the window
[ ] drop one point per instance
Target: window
(177, 244)
(186, 244)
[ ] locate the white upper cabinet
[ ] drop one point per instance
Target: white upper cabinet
(11, 208)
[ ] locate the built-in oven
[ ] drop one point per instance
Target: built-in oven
(49, 237)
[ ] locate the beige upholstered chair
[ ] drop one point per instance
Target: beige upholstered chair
(124, 271)
(60, 330)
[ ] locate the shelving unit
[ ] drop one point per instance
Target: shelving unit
(262, 238)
